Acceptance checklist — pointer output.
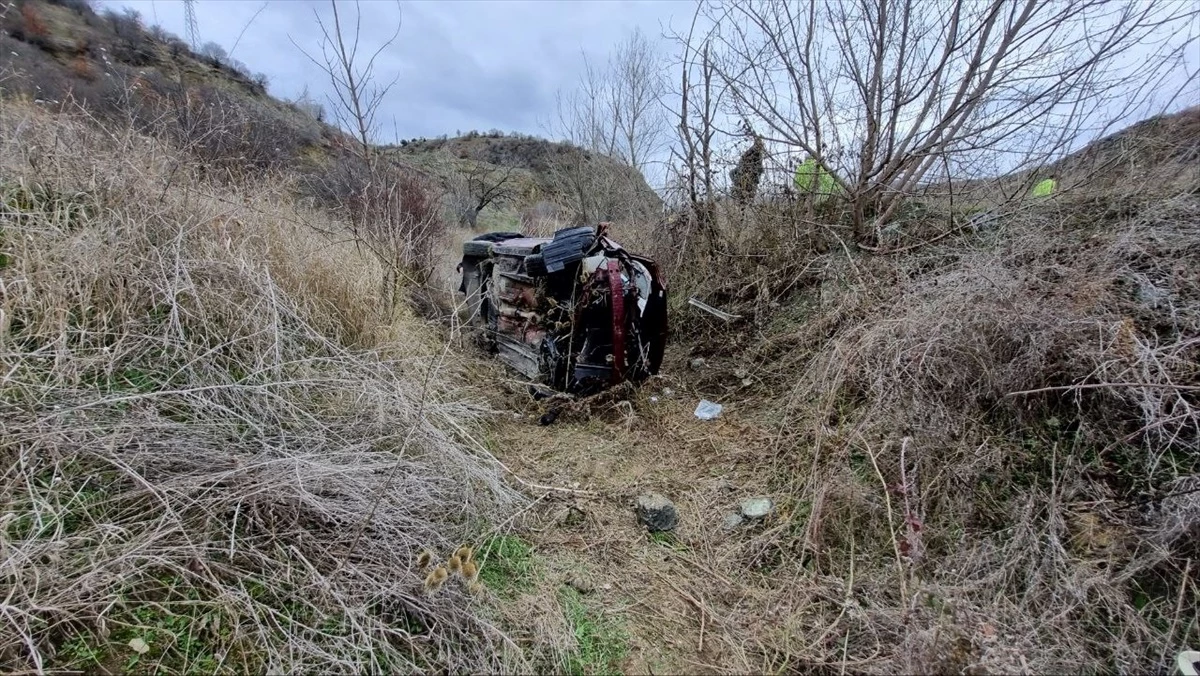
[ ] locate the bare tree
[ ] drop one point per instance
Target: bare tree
(479, 185)
(696, 127)
(356, 94)
(883, 93)
(390, 211)
(583, 114)
(617, 110)
(636, 100)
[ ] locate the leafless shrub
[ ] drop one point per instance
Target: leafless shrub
(188, 460)
(390, 212)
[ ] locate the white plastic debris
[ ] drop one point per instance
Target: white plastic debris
(1188, 662)
(696, 302)
(707, 410)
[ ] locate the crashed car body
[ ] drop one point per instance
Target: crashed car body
(575, 311)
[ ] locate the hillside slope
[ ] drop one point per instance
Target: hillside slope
(221, 450)
(225, 448)
(62, 52)
(542, 178)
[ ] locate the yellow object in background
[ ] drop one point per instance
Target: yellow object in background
(1043, 188)
(812, 178)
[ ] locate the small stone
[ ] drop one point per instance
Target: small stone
(732, 521)
(757, 508)
(668, 392)
(573, 517)
(657, 512)
(741, 373)
(139, 646)
(698, 363)
(580, 585)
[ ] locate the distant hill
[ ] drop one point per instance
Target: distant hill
(541, 176)
(1161, 153)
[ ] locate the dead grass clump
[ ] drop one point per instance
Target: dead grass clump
(197, 474)
(988, 439)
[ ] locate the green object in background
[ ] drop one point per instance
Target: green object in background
(1043, 188)
(812, 178)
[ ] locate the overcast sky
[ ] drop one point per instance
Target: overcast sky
(462, 64)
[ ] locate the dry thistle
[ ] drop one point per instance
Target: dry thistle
(470, 571)
(475, 587)
(435, 579)
(465, 553)
(424, 559)
(454, 563)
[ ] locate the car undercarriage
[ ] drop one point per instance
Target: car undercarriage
(575, 312)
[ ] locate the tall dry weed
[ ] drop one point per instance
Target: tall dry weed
(191, 451)
(995, 438)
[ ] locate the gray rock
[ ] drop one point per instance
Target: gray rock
(732, 521)
(580, 585)
(757, 508)
(573, 517)
(698, 363)
(1151, 295)
(657, 512)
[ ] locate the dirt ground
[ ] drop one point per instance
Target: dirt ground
(683, 599)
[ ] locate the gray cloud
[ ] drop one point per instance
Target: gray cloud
(459, 65)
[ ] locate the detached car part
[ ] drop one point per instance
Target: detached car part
(575, 311)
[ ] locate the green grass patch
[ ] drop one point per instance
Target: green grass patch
(507, 565)
(667, 539)
(601, 640)
(26, 204)
(180, 636)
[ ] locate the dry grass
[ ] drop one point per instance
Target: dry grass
(218, 443)
(977, 433)
(193, 456)
(980, 451)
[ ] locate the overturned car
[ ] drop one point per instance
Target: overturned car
(575, 311)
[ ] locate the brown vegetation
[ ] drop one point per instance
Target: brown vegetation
(983, 452)
(228, 445)
(194, 457)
